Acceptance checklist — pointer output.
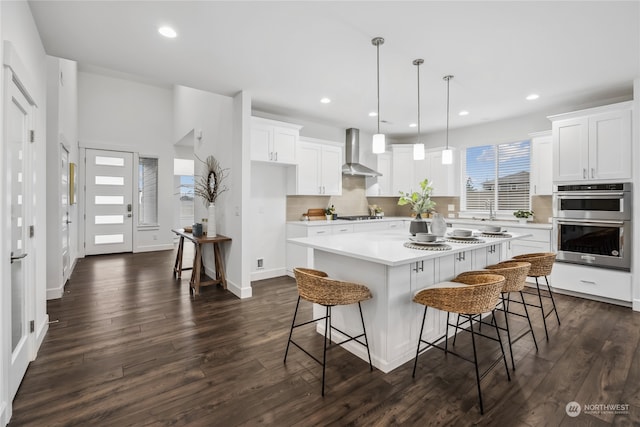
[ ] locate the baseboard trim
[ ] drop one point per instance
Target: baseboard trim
(4, 413)
(154, 248)
(55, 293)
(636, 305)
(268, 274)
(42, 330)
(232, 287)
(591, 297)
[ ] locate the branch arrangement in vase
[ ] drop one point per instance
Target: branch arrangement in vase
(420, 202)
(210, 185)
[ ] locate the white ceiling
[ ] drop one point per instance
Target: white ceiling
(290, 54)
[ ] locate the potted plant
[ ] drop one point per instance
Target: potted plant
(523, 215)
(421, 204)
(330, 212)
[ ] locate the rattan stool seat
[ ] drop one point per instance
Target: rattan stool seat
(479, 293)
(541, 262)
(541, 265)
(315, 286)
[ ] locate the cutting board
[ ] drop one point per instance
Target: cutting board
(316, 214)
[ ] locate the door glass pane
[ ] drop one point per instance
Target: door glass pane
(101, 239)
(109, 219)
(109, 200)
(109, 161)
(109, 180)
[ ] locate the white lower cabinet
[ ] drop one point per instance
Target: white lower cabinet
(600, 282)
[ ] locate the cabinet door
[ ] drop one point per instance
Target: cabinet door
(443, 177)
(261, 142)
(308, 175)
(541, 166)
(571, 155)
(402, 165)
(284, 145)
(610, 145)
(380, 185)
(331, 170)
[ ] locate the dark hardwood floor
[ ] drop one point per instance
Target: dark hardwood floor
(129, 346)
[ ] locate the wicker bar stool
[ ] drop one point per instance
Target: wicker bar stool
(468, 297)
(541, 265)
(315, 286)
(515, 274)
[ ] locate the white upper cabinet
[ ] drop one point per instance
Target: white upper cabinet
(541, 164)
(406, 172)
(444, 178)
(593, 144)
(273, 141)
(319, 170)
(381, 185)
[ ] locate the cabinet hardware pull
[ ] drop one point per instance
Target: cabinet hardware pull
(589, 282)
(584, 172)
(320, 232)
(276, 159)
(270, 155)
(593, 173)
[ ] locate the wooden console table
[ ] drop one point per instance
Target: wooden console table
(196, 280)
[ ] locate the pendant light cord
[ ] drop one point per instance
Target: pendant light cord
(448, 79)
(418, 67)
(378, 80)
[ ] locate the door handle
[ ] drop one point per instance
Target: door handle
(17, 257)
(129, 207)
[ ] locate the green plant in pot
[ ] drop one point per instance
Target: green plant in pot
(421, 204)
(523, 215)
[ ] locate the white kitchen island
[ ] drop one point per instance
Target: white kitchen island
(394, 273)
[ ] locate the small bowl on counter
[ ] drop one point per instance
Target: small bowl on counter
(461, 232)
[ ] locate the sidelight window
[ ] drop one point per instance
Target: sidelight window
(148, 191)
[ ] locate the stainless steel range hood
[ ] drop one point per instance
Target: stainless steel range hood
(352, 154)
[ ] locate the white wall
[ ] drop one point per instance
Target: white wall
(635, 152)
(219, 120)
(62, 128)
(18, 27)
(127, 115)
(268, 212)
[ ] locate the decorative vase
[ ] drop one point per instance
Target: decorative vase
(211, 221)
(522, 220)
(418, 225)
(438, 225)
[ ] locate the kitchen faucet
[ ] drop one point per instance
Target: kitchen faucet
(489, 203)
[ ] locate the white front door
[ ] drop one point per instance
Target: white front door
(108, 202)
(64, 212)
(18, 155)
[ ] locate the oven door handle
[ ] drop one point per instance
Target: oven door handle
(589, 195)
(588, 222)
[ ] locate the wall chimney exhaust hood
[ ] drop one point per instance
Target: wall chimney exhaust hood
(352, 155)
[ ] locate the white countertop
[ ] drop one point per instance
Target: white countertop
(386, 247)
(452, 221)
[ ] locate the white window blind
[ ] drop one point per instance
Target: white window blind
(148, 191)
(498, 174)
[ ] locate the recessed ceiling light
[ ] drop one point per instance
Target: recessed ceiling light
(325, 100)
(373, 114)
(412, 125)
(463, 113)
(168, 32)
(533, 96)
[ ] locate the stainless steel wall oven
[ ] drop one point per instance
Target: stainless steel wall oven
(593, 224)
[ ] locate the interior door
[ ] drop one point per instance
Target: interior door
(18, 125)
(64, 212)
(108, 202)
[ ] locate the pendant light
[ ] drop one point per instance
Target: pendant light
(378, 145)
(418, 148)
(447, 153)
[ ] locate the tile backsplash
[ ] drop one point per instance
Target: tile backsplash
(354, 201)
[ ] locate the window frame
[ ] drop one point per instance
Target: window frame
(140, 190)
(499, 214)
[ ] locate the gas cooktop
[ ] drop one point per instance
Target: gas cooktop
(358, 217)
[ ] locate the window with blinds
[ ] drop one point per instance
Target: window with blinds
(498, 174)
(148, 191)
